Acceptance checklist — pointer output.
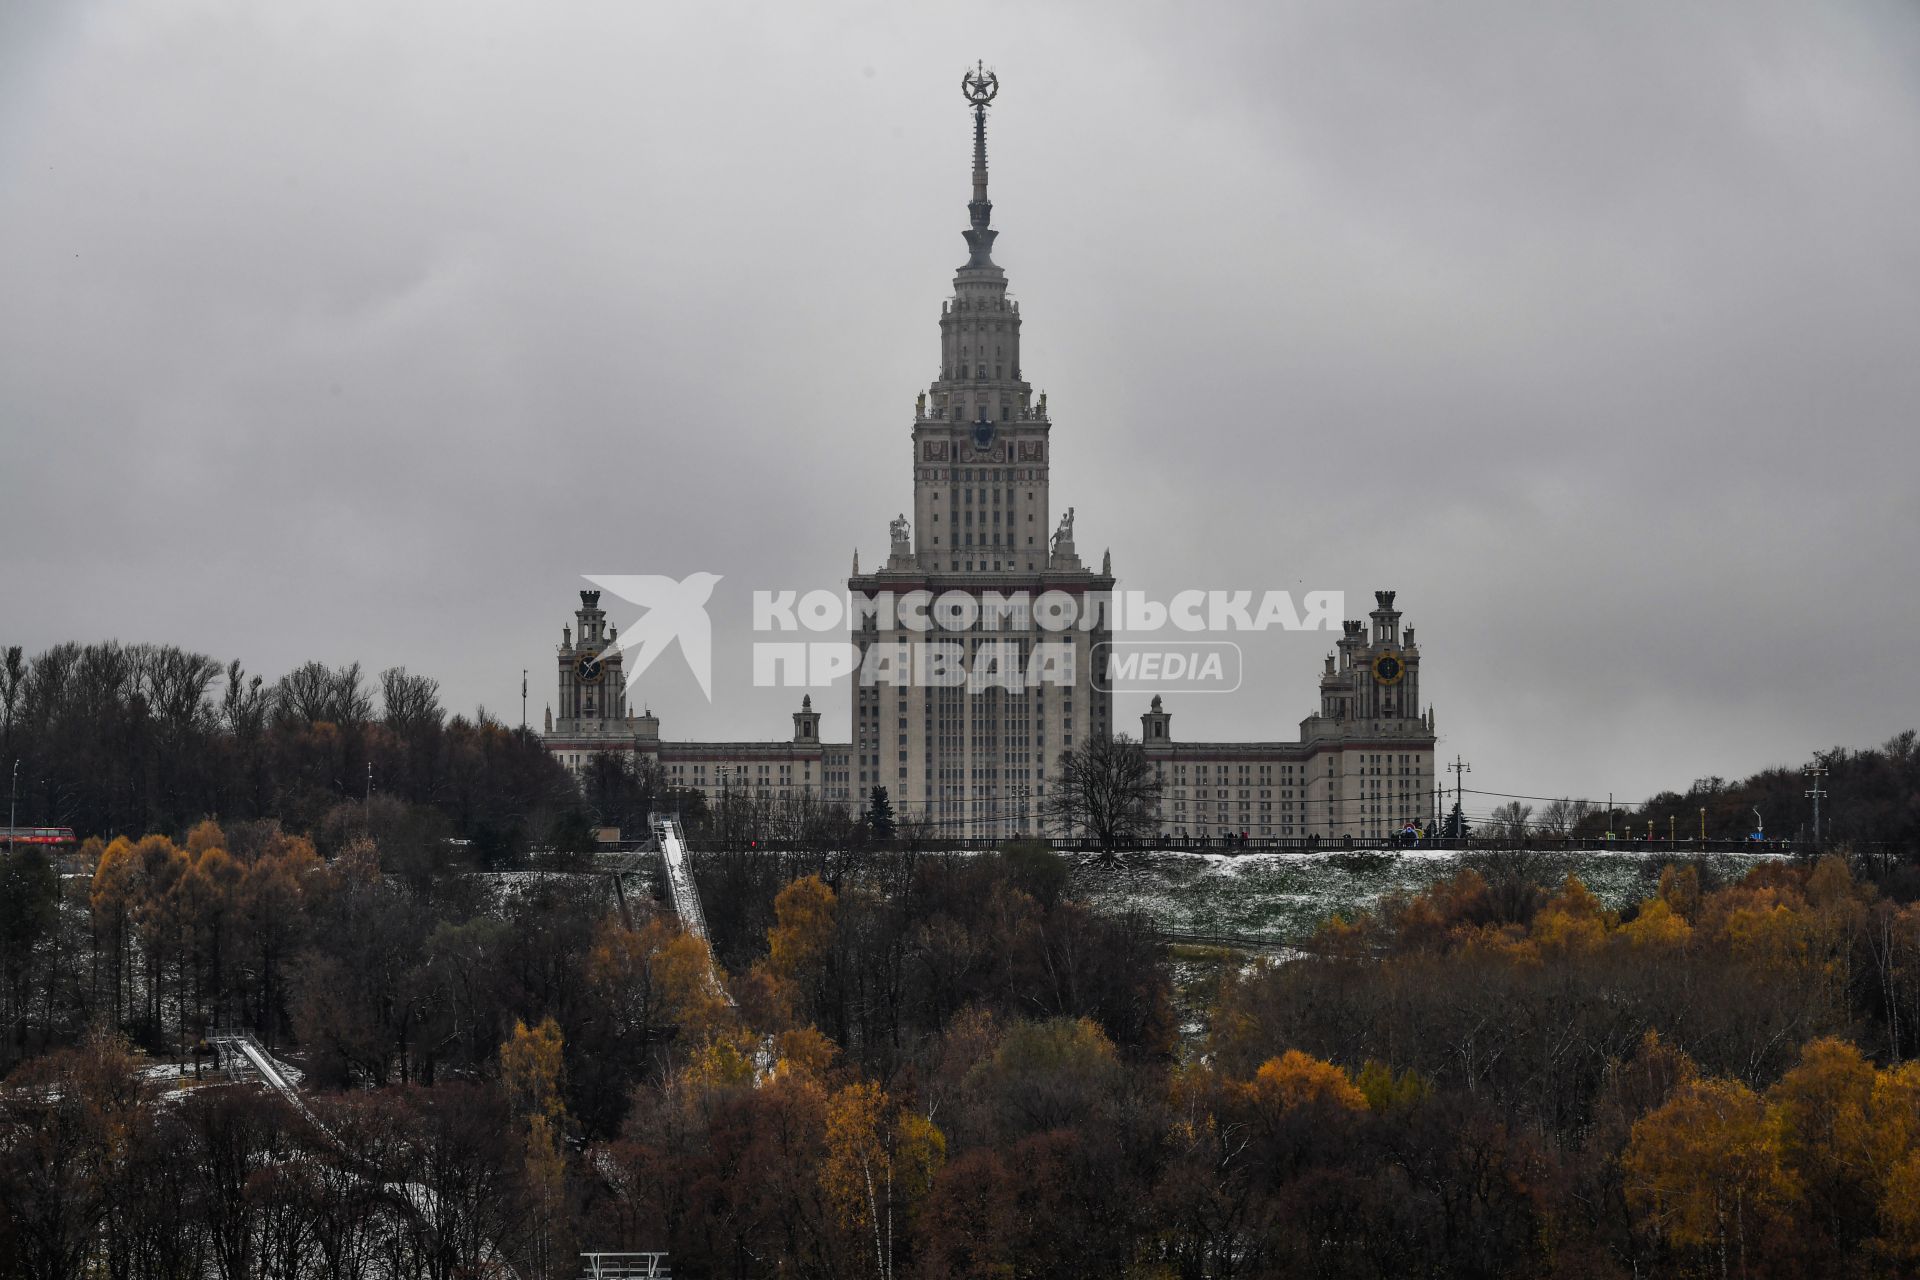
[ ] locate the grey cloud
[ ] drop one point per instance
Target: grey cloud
(338, 332)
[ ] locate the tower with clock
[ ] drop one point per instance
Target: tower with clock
(1362, 769)
(1373, 675)
(980, 440)
(593, 687)
(974, 760)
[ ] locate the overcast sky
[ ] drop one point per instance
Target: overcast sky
(362, 331)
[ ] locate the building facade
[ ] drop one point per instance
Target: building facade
(596, 718)
(1362, 769)
(969, 686)
(971, 756)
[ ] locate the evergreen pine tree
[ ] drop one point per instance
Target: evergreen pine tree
(880, 814)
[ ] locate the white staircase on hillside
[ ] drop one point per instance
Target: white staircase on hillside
(686, 897)
(680, 887)
(278, 1076)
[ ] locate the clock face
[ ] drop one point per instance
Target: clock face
(1388, 669)
(587, 670)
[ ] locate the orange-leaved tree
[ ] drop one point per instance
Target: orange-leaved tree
(530, 1067)
(1295, 1079)
(881, 1159)
(1703, 1171)
(799, 947)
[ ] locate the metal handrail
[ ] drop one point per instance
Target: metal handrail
(626, 1266)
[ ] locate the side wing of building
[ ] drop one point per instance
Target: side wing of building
(1363, 768)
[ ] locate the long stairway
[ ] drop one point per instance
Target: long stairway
(269, 1069)
(685, 896)
(279, 1077)
(680, 887)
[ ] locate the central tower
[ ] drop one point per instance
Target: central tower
(972, 759)
(979, 412)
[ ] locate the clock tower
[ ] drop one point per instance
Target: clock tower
(971, 759)
(593, 686)
(979, 418)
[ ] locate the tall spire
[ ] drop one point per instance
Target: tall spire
(979, 86)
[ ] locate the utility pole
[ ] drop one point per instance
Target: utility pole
(369, 784)
(523, 699)
(1459, 769)
(1815, 774)
(13, 804)
(1703, 824)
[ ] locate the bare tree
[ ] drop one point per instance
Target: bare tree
(411, 704)
(1553, 818)
(175, 684)
(1563, 817)
(315, 693)
(13, 679)
(1512, 820)
(244, 705)
(1106, 789)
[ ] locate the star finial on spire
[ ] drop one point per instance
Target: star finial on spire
(980, 86)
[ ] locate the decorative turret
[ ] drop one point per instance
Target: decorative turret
(806, 721)
(1374, 678)
(1386, 619)
(592, 687)
(1156, 726)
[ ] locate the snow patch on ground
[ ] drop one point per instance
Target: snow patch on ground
(1279, 896)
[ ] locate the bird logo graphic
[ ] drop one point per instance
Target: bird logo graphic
(674, 610)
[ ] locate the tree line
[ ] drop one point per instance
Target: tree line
(115, 739)
(1871, 798)
(949, 1066)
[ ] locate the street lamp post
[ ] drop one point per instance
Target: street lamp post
(13, 804)
(1814, 775)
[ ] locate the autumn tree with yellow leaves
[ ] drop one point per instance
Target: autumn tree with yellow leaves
(530, 1070)
(881, 1159)
(1825, 1158)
